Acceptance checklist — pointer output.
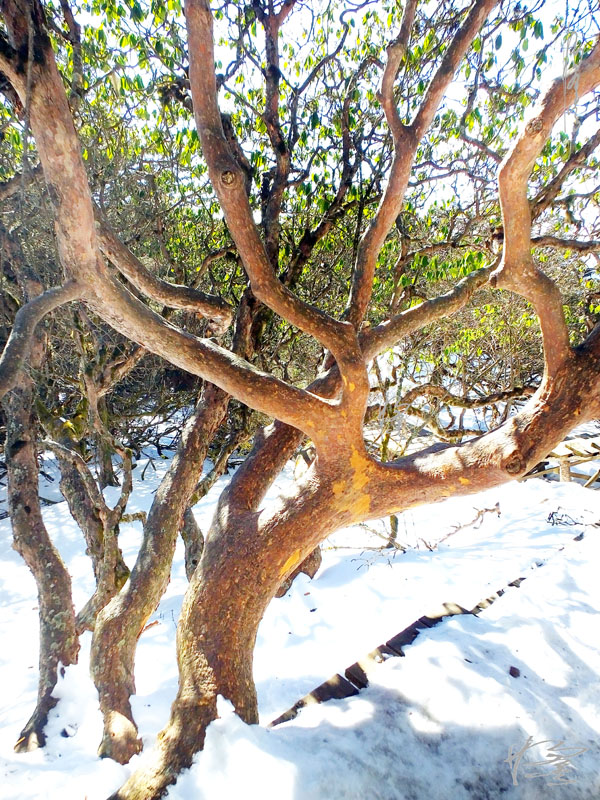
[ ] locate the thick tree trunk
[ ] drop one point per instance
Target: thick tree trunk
(248, 554)
(242, 566)
(121, 622)
(59, 643)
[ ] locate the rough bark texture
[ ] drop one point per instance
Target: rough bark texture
(248, 553)
(99, 525)
(59, 643)
(121, 622)
(193, 540)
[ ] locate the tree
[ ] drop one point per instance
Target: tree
(309, 157)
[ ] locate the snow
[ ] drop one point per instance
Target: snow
(440, 722)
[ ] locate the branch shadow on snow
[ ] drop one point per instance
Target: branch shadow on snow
(446, 734)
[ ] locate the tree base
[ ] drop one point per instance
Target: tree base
(120, 740)
(32, 736)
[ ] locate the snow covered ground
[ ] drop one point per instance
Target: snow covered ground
(447, 721)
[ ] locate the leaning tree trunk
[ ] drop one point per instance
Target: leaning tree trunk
(121, 622)
(243, 564)
(59, 643)
(248, 553)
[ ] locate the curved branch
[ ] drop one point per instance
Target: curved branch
(517, 271)
(566, 244)
(27, 318)
(450, 63)
(228, 182)
(447, 398)
(116, 370)
(395, 52)
(171, 295)
(209, 259)
(60, 154)
(503, 454)
(17, 182)
(202, 357)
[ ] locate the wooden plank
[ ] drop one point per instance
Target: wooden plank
(357, 675)
(593, 479)
(336, 688)
(404, 638)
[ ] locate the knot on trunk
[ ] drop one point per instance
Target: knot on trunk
(228, 177)
(515, 464)
(534, 126)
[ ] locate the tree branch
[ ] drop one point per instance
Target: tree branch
(27, 318)
(227, 180)
(566, 244)
(168, 294)
(116, 370)
(517, 270)
(388, 333)
(450, 63)
(549, 193)
(447, 398)
(60, 155)
(406, 140)
(15, 184)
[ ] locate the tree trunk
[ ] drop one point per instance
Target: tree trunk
(59, 642)
(121, 622)
(243, 563)
(248, 553)
(106, 471)
(100, 529)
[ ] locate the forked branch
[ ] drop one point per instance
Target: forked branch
(60, 154)
(517, 271)
(168, 294)
(227, 180)
(387, 334)
(406, 140)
